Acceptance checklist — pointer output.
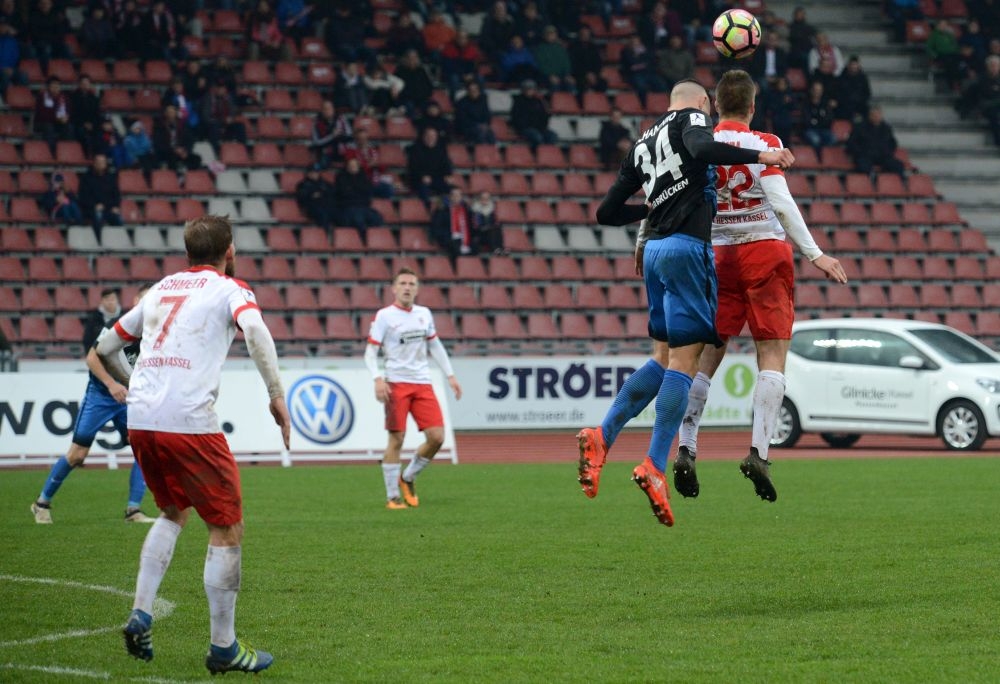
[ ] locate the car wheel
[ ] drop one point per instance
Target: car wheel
(787, 428)
(839, 440)
(961, 426)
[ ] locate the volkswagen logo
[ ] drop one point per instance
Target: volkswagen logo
(321, 410)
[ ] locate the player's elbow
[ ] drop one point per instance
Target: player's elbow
(607, 216)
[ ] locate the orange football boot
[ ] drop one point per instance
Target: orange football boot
(593, 453)
(654, 484)
(409, 492)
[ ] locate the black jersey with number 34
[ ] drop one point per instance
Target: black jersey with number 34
(680, 189)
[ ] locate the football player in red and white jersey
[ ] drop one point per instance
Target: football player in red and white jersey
(756, 275)
(405, 333)
(185, 325)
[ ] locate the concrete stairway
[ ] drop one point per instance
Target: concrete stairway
(958, 154)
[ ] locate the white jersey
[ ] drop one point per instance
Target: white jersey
(403, 335)
(745, 214)
(186, 323)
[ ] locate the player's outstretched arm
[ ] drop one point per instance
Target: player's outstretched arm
(440, 355)
(787, 211)
(260, 345)
(112, 340)
(118, 391)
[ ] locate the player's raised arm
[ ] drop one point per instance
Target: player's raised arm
(261, 347)
(614, 209)
(791, 220)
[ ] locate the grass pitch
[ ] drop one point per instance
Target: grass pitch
(864, 570)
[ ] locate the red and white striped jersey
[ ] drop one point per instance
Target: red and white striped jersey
(186, 323)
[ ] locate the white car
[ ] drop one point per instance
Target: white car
(850, 376)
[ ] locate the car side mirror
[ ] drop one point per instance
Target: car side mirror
(911, 361)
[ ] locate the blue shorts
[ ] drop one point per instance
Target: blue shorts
(96, 410)
(682, 290)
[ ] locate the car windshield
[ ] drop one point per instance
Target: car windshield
(954, 348)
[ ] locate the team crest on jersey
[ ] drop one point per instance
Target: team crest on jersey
(321, 410)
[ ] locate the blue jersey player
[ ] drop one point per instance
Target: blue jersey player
(672, 162)
(103, 401)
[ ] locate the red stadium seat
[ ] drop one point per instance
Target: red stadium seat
(880, 240)
(965, 296)
(841, 297)
(860, 185)
(24, 210)
(34, 329)
(903, 296)
(188, 209)
(307, 327)
(589, 296)
(438, 267)
(37, 299)
(565, 267)
(342, 327)
(308, 267)
(577, 184)
(823, 213)
(549, 157)
(235, 154)
(508, 326)
(557, 296)
(285, 210)
(920, 185)
(575, 326)
(514, 183)
(502, 268)
(19, 97)
(32, 183)
(595, 103)
(509, 211)
(269, 297)
(542, 326)
(487, 157)
(341, 269)
(972, 240)
(622, 297)
(67, 328)
(915, 214)
(961, 321)
(462, 296)
(911, 240)
(988, 323)
(334, 298)
(276, 268)
(946, 213)
(483, 181)
(519, 156)
(516, 240)
(854, 213)
(527, 297)
(374, 268)
(966, 268)
(871, 296)
(565, 103)
(937, 268)
(539, 211)
(475, 326)
(380, 239)
(885, 213)
(608, 326)
(875, 268)
(470, 268)
(941, 240)
(828, 185)
(491, 298)
(847, 240)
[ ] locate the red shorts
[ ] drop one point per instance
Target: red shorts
(191, 470)
(418, 400)
(756, 284)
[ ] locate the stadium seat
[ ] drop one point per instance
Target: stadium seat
(49, 240)
(373, 268)
(484, 181)
(342, 327)
(286, 210)
(411, 210)
(518, 156)
(341, 269)
(235, 154)
(961, 321)
(438, 267)
(624, 268)
(854, 213)
(829, 186)
(475, 326)
(68, 298)
(965, 296)
(16, 240)
(334, 298)
(508, 326)
(565, 267)
(973, 240)
(946, 213)
(823, 214)
(542, 326)
(885, 213)
(623, 297)
(575, 326)
(915, 214)
(307, 327)
(577, 184)
(19, 97)
(509, 211)
(841, 297)
(879, 240)
(491, 298)
(470, 268)
(581, 238)
(269, 297)
(847, 240)
(308, 267)
(903, 296)
(871, 296)
(67, 328)
(920, 185)
(543, 183)
(539, 211)
(911, 240)
(35, 329)
(565, 103)
(37, 299)
(636, 325)
(608, 326)
(968, 268)
(798, 184)
(941, 240)
(890, 185)
(549, 157)
(513, 183)
(380, 239)
(589, 296)
(275, 268)
(527, 297)
(583, 157)
(597, 268)
(463, 297)
(347, 240)
(557, 296)
(516, 240)
(988, 323)
(937, 268)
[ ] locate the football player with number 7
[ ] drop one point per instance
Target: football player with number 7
(756, 281)
(672, 163)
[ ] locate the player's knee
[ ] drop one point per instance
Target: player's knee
(435, 438)
(77, 455)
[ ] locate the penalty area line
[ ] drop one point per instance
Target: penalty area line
(87, 674)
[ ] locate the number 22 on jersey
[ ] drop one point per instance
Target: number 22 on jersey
(733, 186)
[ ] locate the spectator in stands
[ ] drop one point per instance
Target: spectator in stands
(428, 166)
(162, 36)
(585, 56)
(219, 117)
(900, 12)
(824, 49)
(129, 29)
(404, 36)
(417, 84)
(53, 120)
(472, 116)
(100, 197)
(263, 35)
(817, 119)
(195, 79)
(47, 30)
(987, 13)
(460, 63)
(173, 142)
(638, 68)
(497, 30)
(433, 117)
(517, 62)
(854, 92)
(109, 142)
(656, 28)
(615, 140)
(452, 226)
(61, 204)
(437, 34)
(354, 198)
(530, 25)
(825, 75)
(97, 34)
(983, 95)
(873, 144)
(973, 36)
(801, 37)
(942, 50)
(85, 103)
(139, 149)
(674, 62)
(295, 18)
(778, 105)
(187, 109)
(529, 116)
(317, 199)
(345, 34)
(384, 90)
(331, 131)
(222, 69)
(367, 155)
(489, 233)
(553, 62)
(349, 92)
(769, 63)
(10, 46)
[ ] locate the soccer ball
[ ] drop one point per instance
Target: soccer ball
(736, 33)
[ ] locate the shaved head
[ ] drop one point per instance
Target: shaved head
(689, 93)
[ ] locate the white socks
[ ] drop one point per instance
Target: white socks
(390, 473)
(767, 396)
(154, 560)
(697, 396)
(416, 465)
(222, 583)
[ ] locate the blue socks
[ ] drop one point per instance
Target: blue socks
(671, 402)
(635, 395)
(60, 469)
(136, 486)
